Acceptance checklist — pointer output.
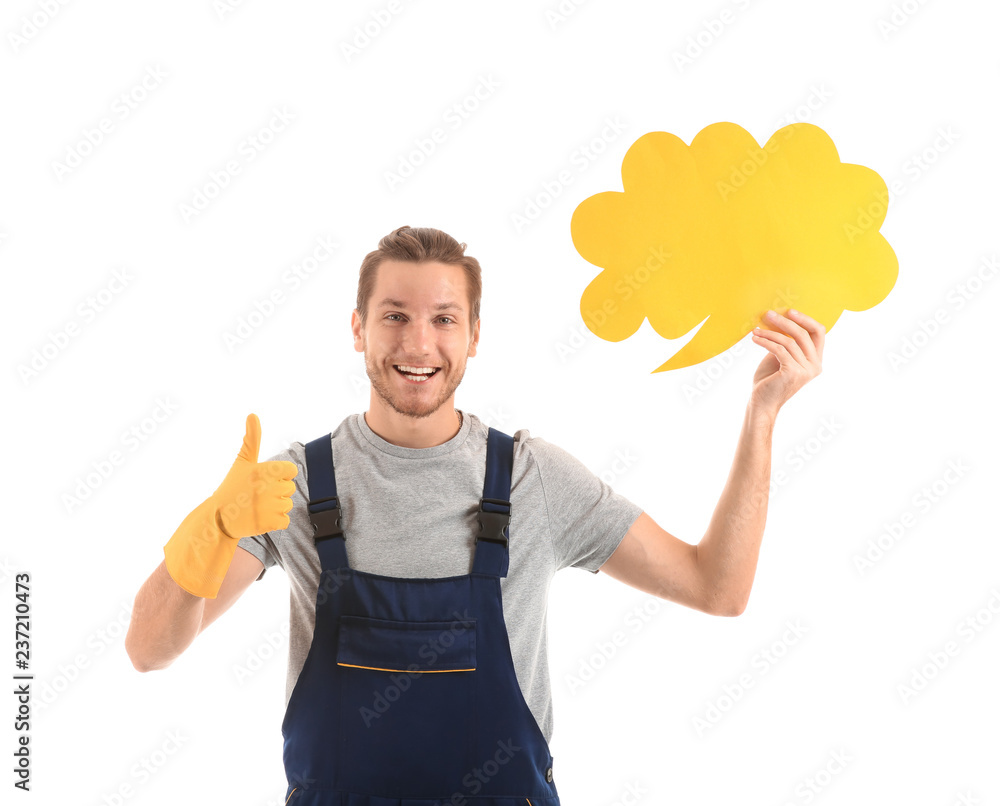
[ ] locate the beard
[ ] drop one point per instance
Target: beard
(413, 401)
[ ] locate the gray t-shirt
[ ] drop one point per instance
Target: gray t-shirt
(411, 512)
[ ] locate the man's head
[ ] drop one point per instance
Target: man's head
(418, 306)
(420, 245)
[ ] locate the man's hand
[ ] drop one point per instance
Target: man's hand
(255, 497)
(796, 357)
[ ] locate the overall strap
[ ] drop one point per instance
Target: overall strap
(494, 507)
(324, 506)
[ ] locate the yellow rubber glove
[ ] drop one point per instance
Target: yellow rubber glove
(254, 498)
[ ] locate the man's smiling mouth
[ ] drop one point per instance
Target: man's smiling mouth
(414, 374)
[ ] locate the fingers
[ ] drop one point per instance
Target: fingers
(791, 344)
(276, 470)
(805, 333)
(279, 488)
(284, 489)
(275, 478)
(778, 345)
(282, 505)
(251, 441)
(816, 330)
(289, 470)
(272, 479)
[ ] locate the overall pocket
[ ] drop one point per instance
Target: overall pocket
(408, 704)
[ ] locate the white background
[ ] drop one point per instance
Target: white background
(863, 446)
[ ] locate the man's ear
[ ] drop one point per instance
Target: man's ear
(475, 338)
(359, 345)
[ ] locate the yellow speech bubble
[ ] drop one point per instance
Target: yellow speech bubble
(716, 233)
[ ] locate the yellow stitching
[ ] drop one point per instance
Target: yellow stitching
(290, 795)
(414, 671)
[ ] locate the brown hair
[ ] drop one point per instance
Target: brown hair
(420, 245)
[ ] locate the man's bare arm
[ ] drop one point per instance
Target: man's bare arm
(166, 618)
(714, 576)
(729, 549)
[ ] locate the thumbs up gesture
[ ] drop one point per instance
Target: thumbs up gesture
(255, 497)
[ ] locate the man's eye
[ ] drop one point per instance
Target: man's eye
(447, 318)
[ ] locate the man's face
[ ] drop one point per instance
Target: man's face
(418, 316)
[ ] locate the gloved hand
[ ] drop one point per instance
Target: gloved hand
(254, 498)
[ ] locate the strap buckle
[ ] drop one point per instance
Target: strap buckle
(326, 522)
(492, 524)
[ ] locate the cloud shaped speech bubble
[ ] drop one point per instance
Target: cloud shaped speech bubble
(721, 231)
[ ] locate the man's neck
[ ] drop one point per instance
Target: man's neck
(409, 432)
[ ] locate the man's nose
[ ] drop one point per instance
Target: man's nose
(418, 336)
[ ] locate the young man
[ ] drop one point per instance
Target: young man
(419, 545)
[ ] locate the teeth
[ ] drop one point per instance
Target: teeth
(418, 374)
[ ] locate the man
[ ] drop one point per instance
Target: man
(419, 545)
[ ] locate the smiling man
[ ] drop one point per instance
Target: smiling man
(421, 329)
(419, 546)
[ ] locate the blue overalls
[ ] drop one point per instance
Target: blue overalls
(408, 695)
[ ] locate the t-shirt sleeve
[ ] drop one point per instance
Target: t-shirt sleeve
(587, 519)
(262, 546)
